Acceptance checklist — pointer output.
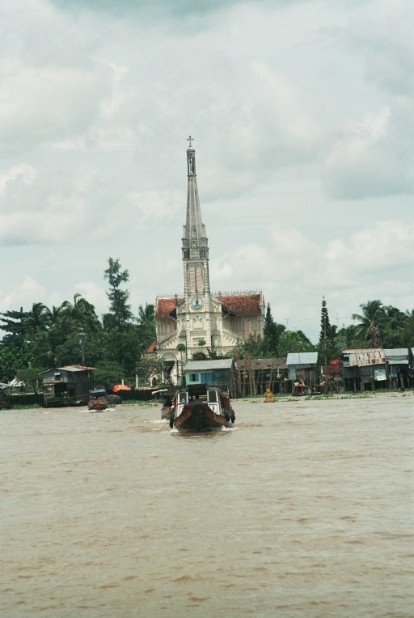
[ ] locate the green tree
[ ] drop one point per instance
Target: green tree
(251, 347)
(146, 325)
(122, 342)
(120, 310)
(295, 341)
(272, 333)
(327, 344)
(76, 333)
(148, 367)
(371, 322)
(393, 327)
(407, 335)
(26, 334)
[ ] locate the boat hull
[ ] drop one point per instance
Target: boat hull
(97, 405)
(198, 416)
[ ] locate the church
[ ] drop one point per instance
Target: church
(199, 323)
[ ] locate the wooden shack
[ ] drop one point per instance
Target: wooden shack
(67, 386)
(364, 368)
(303, 372)
(254, 375)
(398, 365)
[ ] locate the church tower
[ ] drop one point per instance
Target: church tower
(194, 313)
(198, 322)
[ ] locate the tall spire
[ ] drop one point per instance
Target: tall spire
(195, 242)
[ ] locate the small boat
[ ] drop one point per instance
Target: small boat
(201, 407)
(97, 405)
(98, 401)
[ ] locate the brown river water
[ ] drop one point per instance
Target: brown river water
(304, 509)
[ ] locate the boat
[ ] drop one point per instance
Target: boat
(98, 401)
(201, 407)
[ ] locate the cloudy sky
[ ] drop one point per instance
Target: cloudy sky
(303, 118)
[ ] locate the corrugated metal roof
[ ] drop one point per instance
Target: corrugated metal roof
(302, 358)
(395, 352)
(75, 368)
(396, 356)
(261, 363)
(367, 356)
(71, 368)
(205, 365)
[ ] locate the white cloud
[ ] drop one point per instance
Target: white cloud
(16, 174)
(25, 292)
(381, 247)
(302, 114)
(366, 162)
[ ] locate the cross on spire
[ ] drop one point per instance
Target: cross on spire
(189, 140)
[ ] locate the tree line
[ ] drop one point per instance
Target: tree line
(72, 333)
(377, 326)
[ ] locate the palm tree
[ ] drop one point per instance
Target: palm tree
(80, 315)
(371, 322)
(407, 335)
(38, 318)
(146, 314)
(393, 327)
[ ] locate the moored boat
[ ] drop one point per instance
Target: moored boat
(201, 407)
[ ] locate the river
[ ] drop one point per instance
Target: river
(303, 509)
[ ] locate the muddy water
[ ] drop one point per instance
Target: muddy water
(303, 509)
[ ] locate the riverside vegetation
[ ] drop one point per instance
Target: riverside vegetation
(114, 344)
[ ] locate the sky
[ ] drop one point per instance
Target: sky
(302, 114)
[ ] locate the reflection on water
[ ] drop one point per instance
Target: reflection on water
(303, 508)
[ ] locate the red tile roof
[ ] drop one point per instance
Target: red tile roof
(151, 347)
(242, 304)
(239, 304)
(165, 306)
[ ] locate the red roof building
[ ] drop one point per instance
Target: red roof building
(198, 321)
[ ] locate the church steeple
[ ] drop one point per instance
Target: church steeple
(197, 319)
(195, 242)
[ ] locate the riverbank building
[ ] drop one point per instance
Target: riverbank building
(198, 323)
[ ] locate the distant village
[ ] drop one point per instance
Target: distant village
(199, 337)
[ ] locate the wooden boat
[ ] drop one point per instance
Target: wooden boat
(98, 401)
(201, 407)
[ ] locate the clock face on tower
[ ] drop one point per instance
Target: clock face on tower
(197, 303)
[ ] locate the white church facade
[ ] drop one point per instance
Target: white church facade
(198, 322)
